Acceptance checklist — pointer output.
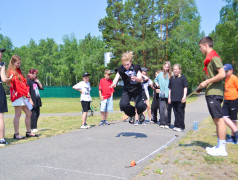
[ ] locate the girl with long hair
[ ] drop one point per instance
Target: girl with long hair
(162, 80)
(19, 92)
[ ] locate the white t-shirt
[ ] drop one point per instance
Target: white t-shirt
(85, 88)
(145, 87)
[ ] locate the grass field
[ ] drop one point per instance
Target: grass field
(54, 125)
(188, 159)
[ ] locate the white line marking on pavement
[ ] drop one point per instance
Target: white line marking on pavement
(157, 150)
(81, 172)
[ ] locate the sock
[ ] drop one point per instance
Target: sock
(217, 146)
(222, 144)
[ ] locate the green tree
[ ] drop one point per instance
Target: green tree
(225, 35)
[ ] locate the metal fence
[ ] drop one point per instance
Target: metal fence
(69, 92)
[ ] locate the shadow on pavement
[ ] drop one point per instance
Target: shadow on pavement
(131, 134)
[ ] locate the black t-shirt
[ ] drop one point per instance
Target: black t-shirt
(130, 86)
(34, 92)
(177, 85)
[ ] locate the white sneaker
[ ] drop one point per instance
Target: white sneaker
(179, 130)
(136, 123)
(217, 152)
(34, 130)
(87, 125)
(83, 127)
(166, 127)
(143, 123)
(175, 128)
(210, 148)
(161, 126)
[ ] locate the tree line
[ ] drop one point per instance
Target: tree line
(155, 30)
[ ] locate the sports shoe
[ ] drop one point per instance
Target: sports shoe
(34, 130)
(217, 152)
(141, 118)
(232, 139)
(87, 125)
(161, 126)
(210, 148)
(175, 128)
(131, 120)
(179, 130)
(101, 123)
(105, 122)
(83, 127)
(3, 142)
(166, 127)
(143, 123)
(136, 122)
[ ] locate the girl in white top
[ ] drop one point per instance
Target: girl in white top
(147, 82)
(84, 88)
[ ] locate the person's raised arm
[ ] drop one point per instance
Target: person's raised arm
(138, 77)
(115, 80)
(3, 75)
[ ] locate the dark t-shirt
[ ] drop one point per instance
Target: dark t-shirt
(130, 86)
(177, 85)
(34, 92)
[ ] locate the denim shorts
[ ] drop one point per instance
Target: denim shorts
(107, 105)
(230, 109)
(214, 106)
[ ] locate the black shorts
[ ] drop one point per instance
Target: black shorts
(85, 106)
(230, 109)
(214, 106)
(144, 97)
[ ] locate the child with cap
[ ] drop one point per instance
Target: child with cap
(84, 88)
(132, 78)
(3, 99)
(230, 104)
(106, 95)
(214, 93)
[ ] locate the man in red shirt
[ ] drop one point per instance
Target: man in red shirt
(105, 93)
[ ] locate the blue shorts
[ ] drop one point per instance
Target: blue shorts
(106, 105)
(230, 109)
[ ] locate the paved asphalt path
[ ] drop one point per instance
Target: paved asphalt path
(96, 153)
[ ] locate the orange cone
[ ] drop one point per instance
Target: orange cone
(133, 163)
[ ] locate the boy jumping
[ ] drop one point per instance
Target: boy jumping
(132, 78)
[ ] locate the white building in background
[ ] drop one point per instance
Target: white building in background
(107, 58)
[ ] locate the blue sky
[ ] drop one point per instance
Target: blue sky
(22, 20)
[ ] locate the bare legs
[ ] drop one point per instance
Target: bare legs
(16, 120)
(2, 126)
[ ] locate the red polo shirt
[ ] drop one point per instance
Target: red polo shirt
(104, 87)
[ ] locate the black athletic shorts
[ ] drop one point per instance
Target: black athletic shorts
(230, 109)
(144, 97)
(85, 106)
(214, 106)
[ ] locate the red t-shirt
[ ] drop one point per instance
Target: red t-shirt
(18, 87)
(104, 87)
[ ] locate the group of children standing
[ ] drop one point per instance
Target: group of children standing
(171, 88)
(170, 91)
(22, 92)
